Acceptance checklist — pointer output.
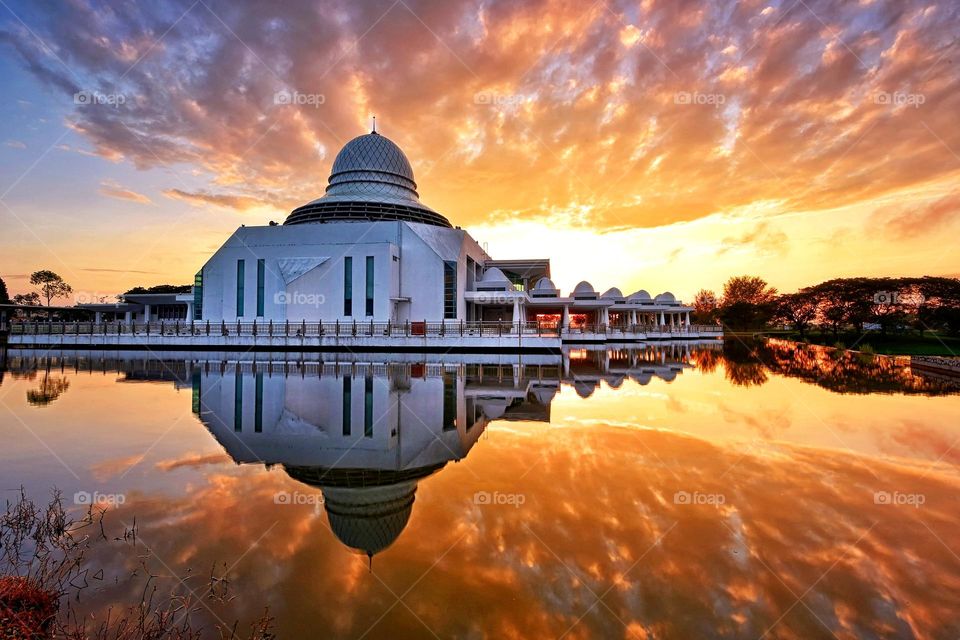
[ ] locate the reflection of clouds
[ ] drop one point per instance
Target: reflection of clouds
(596, 502)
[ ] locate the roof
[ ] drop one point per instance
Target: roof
(371, 179)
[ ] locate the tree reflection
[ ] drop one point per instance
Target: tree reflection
(748, 362)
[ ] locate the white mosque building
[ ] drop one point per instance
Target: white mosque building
(369, 251)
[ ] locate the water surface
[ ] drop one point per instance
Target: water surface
(675, 491)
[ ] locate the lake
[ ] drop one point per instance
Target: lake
(690, 490)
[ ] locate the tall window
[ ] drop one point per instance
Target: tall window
(240, 276)
(348, 286)
(238, 401)
(347, 403)
(261, 268)
(258, 404)
(368, 407)
(369, 285)
(449, 290)
(198, 296)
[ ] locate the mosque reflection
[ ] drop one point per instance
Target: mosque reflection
(365, 433)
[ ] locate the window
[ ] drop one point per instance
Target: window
(240, 276)
(258, 404)
(449, 290)
(261, 267)
(368, 407)
(348, 286)
(347, 403)
(449, 402)
(238, 401)
(198, 296)
(369, 285)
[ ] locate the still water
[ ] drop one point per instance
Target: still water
(671, 491)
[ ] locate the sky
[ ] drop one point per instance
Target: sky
(660, 144)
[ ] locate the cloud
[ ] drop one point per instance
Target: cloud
(224, 200)
(762, 238)
(111, 189)
(16, 144)
(124, 271)
(598, 122)
(925, 220)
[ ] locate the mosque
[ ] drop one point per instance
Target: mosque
(369, 250)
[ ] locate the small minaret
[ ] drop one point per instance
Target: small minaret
(374, 125)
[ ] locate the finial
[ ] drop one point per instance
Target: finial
(374, 124)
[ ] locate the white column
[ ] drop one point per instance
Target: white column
(565, 318)
(662, 320)
(146, 313)
(516, 310)
(97, 317)
(128, 317)
(688, 318)
(190, 312)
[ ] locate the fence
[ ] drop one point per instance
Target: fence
(351, 329)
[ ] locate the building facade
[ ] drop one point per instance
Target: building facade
(369, 251)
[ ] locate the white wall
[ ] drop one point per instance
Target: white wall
(408, 259)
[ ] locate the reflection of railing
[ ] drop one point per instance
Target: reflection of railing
(301, 329)
(305, 329)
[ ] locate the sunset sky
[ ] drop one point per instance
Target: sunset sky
(656, 144)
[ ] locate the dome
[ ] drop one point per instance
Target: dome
(640, 296)
(371, 180)
(369, 520)
(544, 288)
(494, 275)
(612, 293)
(666, 298)
(584, 290)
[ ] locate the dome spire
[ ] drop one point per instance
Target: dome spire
(374, 125)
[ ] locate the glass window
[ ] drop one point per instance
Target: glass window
(368, 407)
(240, 276)
(369, 285)
(258, 404)
(347, 403)
(261, 268)
(449, 402)
(348, 286)
(449, 290)
(198, 296)
(238, 401)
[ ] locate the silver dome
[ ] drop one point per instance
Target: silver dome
(371, 180)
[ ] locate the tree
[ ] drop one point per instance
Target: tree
(30, 299)
(4, 294)
(748, 302)
(705, 307)
(50, 284)
(798, 309)
(749, 289)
